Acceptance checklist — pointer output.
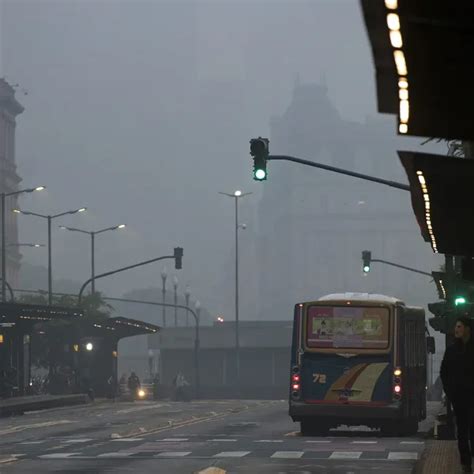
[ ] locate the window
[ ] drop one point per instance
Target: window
(347, 327)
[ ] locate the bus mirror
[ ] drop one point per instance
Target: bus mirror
(430, 345)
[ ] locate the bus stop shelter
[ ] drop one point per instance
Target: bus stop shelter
(17, 322)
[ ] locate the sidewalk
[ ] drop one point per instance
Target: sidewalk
(439, 457)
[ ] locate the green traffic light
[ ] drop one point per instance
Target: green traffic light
(459, 300)
(260, 174)
(366, 269)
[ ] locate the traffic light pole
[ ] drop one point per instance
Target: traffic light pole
(366, 177)
(414, 270)
(177, 257)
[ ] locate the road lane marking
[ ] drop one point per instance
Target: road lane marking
(231, 454)
(402, 456)
(364, 442)
(226, 440)
(268, 441)
(127, 440)
(287, 454)
(412, 442)
(33, 442)
(134, 409)
(114, 455)
(321, 441)
(212, 470)
(79, 440)
(346, 455)
(5, 459)
(174, 439)
(57, 455)
(44, 424)
(173, 454)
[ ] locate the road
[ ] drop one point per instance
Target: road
(252, 437)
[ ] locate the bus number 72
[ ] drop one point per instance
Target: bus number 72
(321, 378)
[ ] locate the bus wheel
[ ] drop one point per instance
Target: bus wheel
(314, 428)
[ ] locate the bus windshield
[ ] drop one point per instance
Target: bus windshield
(349, 327)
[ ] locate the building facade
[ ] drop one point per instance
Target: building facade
(10, 108)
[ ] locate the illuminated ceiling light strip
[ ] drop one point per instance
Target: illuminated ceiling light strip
(426, 198)
(396, 40)
(393, 22)
(400, 62)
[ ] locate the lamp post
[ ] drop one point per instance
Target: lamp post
(4, 233)
(175, 286)
(164, 275)
(49, 219)
(92, 235)
(236, 196)
(187, 295)
(198, 309)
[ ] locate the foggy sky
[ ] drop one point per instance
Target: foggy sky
(142, 111)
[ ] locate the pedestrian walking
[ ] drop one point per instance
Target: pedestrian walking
(457, 375)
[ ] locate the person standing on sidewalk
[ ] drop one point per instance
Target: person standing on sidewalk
(457, 375)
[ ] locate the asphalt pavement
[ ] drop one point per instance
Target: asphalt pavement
(208, 437)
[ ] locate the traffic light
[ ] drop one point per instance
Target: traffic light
(178, 258)
(459, 300)
(366, 259)
(259, 149)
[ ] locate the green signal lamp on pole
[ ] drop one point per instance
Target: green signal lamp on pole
(259, 150)
(366, 259)
(459, 300)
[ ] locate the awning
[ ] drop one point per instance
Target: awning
(434, 42)
(120, 327)
(441, 194)
(14, 314)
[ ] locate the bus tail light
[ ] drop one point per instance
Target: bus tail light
(295, 382)
(397, 383)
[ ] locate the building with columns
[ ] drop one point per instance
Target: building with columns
(10, 108)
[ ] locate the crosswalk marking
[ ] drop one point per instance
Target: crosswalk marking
(402, 456)
(346, 455)
(173, 454)
(231, 454)
(114, 455)
(58, 455)
(287, 454)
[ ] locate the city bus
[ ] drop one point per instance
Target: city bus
(358, 359)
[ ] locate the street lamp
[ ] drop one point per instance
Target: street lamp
(49, 218)
(236, 196)
(175, 286)
(164, 275)
(4, 259)
(92, 235)
(187, 295)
